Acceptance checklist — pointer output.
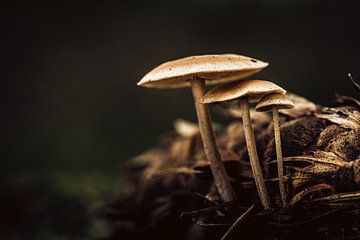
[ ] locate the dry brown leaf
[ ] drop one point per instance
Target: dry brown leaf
(351, 120)
(302, 107)
(302, 170)
(307, 191)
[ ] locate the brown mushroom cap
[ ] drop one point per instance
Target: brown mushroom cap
(254, 89)
(213, 69)
(281, 101)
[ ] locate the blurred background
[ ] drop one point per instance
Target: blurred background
(72, 113)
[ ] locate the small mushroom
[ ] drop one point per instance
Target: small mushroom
(195, 72)
(274, 102)
(245, 91)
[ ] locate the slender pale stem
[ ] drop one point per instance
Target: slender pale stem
(279, 157)
(221, 178)
(254, 159)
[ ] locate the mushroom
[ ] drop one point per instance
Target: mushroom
(245, 91)
(273, 102)
(195, 72)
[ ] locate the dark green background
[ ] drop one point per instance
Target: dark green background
(72, 112)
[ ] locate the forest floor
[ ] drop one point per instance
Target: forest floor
(169, 192)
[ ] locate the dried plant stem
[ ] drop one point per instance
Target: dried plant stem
(254, 159)
(279, 156)
(238, 222)
(221, 178)
(357, 86)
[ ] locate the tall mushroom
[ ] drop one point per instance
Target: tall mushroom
(274, 102)
(245, 91)
(195, 72)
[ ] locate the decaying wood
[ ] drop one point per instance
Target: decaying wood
(321, 150)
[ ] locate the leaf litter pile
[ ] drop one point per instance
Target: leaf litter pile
(169, 192)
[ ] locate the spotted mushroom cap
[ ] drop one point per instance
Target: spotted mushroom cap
(253, 89)
(281, 101)
(213, 69)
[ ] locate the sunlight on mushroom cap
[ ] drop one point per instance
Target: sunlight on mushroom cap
(254, 89)
(281, 101)
(213, 69)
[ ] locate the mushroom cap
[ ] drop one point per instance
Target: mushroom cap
(253, 89)
(213, 69)
(281, 101)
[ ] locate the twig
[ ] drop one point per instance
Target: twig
(348, 196)
(357, 86)
(237, 222)
(201, 211)
(347, 100)
(205, 224)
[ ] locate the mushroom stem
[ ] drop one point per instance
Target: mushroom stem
(254, 159)
(279, 157)
(221, 178)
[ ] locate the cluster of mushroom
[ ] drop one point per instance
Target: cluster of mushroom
(226, 69)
